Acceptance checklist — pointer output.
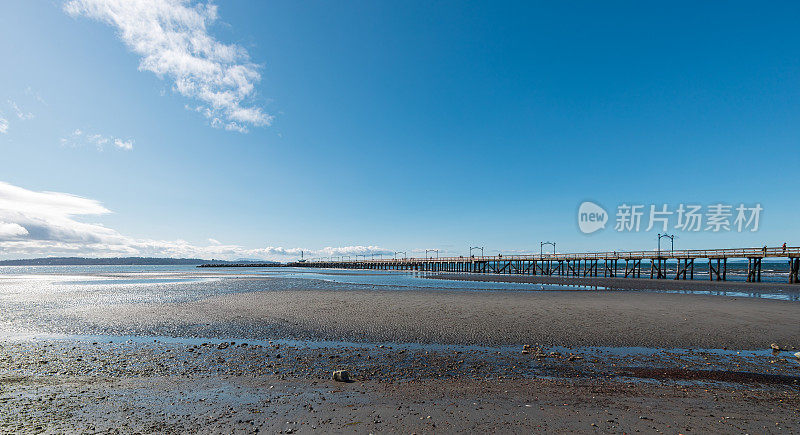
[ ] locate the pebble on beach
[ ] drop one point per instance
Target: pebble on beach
(341, 376)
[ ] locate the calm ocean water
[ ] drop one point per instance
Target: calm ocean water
(159, 282)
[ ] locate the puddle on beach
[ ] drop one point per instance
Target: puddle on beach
(598, 351)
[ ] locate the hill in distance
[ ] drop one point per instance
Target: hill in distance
(115, 261)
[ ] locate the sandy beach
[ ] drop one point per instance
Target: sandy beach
(567, 318)
(256, 354)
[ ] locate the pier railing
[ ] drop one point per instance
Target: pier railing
(776, 252)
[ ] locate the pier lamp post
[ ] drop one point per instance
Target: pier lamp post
(671, 238)
(476, 247)
(541, 248)
(431, 250)
(400, 252)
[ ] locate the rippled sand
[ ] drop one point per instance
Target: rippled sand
(571, 318)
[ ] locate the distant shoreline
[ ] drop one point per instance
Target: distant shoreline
(268, 264)
(110, 261)
(136, 261)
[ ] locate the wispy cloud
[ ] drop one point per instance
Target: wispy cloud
(53, 224)
(16, 109)
(22, 115)
(30, 92)
(123, 144)
(172, 38)
(79, 138)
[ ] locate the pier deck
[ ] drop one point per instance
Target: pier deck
(627, 264)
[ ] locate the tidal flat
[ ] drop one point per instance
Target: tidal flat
(188, 350)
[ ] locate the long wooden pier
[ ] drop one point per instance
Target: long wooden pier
(624, 264)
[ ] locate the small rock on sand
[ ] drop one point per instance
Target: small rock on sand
(341, 376)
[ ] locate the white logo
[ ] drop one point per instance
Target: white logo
(591, 217)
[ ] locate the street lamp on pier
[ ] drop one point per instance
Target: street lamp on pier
(541, 248)
(476, 247)
(671, 238)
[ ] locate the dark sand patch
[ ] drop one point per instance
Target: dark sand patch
(160, 388)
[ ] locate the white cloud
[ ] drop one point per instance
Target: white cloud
(22, 115)
(12, 230)
(98, 139)
(172, 38)
(78, 138)
(50, 224)
(125, 145)
(351, 251)
(48, 217)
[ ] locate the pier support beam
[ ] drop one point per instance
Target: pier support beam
(688, 265)
(794, 270)
(633, 268)
(610, 267)
(720, 272)
(590, 268)
(754, 269)
(658, 267)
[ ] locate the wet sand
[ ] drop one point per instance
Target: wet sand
(207, 388)
(566, 318)
(423, 360)
(700, 283)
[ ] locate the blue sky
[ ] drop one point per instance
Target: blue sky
(383, 126)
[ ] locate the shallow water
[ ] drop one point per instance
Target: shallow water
(120, 284)
(42, 298)
(719, 357)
